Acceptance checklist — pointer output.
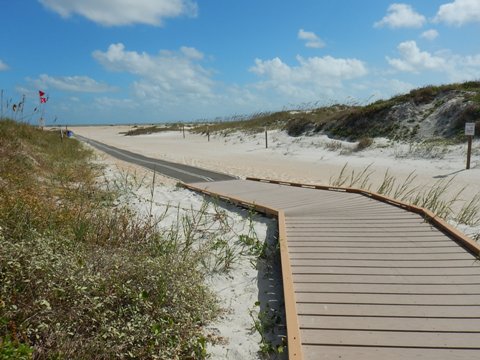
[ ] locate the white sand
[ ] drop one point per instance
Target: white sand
(305, 159)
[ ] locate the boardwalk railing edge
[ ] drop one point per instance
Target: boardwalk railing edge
(293, 328)
(429, 216)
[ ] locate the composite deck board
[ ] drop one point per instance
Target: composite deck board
(349, 288)
(371, 280)
(341, 219)
(332, 249)
(405, 271)
(385, 278)
(354, 232)
(406, 299)
(359, 239)
(363, 227)
(393, 338)
(389, 310)
(419, 265)
(389, 323)
(459, 255)
(330, 352)
(401, 245)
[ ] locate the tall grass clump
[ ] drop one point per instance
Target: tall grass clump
(431, 196)
(81, 275)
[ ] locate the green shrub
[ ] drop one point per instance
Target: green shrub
(14, 350)
(81, 276)
(297, 127)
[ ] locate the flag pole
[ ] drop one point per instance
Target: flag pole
(43, 101)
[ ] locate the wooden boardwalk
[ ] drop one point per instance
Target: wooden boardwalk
(364, 279)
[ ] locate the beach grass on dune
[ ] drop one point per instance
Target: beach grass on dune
(82, 276)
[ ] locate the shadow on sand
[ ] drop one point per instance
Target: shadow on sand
(450, 174)
(269, 316)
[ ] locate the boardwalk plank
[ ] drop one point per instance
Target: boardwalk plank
(364, 270)
(372, 244)
(389, 323)
(376, 353)
(424, 263)
(369, 310)
(431, 289)
(392, 279)
(392, 338)
(377, 250)
(407, 299)
(453, 258)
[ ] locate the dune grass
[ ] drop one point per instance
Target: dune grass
(82, 276)
(429, 196)
(145, 130)
(354, 122)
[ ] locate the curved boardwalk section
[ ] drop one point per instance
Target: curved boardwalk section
(368, 280)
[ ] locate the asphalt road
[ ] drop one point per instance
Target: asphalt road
(184, 173)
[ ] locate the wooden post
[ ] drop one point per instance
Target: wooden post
(208, 133)
(266, 138)
(183, 129)
(469, 132)
(469, 150)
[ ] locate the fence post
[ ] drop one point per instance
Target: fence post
(266, 138)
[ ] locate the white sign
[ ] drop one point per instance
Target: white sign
(470, 129)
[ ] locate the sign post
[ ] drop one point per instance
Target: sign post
(469, 132)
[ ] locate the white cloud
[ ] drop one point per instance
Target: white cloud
(465, 68)
(312, 40)
(456, 67)
(414, 60)
(168, 76)
(431, 34)
(123, 12)
(191, 53)
(3, 66)
(459, 12)
(311, 76)
(72, 83)
(401, 16)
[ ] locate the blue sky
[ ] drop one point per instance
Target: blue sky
(143, 61)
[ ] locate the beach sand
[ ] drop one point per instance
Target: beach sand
(307, 159)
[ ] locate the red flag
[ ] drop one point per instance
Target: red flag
(41, 93)
(43, 100)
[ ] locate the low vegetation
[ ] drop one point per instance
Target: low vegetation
(82, 276)
(145, 130)
(401, 117)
